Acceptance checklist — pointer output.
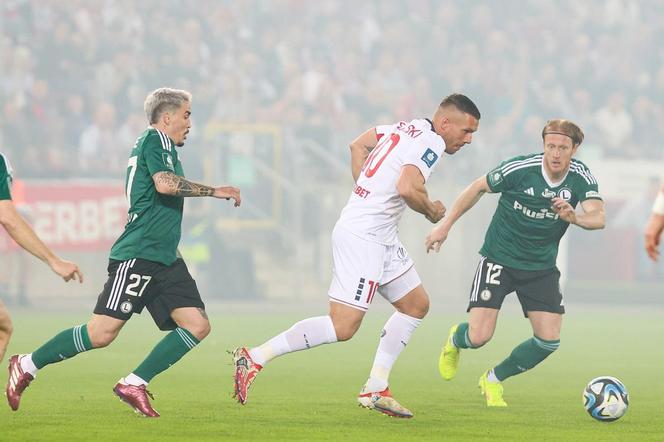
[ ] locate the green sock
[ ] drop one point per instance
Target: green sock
(525, 356)
(169, 350)
(64, 345)
(461, 338)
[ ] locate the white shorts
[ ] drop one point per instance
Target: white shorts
(363, 267)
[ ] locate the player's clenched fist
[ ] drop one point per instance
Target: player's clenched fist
(436, 238)
(228, 192)
(438, 212)
(564, 210)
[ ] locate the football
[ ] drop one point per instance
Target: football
(605, 399)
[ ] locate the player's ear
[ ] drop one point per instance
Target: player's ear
(444, 122)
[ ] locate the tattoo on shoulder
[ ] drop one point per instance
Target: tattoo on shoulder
(182, 187)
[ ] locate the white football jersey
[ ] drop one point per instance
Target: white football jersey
(375, 207)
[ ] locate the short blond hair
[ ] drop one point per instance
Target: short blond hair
(163, 100)
(564, 127)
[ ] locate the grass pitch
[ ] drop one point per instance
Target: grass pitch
(311, 395)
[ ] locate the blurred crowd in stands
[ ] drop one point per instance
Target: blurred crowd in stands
(74, 73)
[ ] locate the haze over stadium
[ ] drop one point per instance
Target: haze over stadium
(280, 88)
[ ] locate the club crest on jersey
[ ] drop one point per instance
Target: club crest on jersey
(565, 194)
(548, 193)
(495, 177)
(168, 161)
(126, 307)
(485, 295)
(429, 157)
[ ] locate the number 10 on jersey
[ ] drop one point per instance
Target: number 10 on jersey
(378, 154)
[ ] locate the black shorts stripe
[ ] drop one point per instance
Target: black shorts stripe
(116, 281)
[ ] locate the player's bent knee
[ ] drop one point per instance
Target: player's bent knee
(344, 334)
(416, 308)
(101, 340)
(6, 327)
(200, 329)
(479, 338)
(101, 337)
(422, 309)
(345, 331)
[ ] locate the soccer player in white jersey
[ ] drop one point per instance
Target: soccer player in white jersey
(390, 166)
(655, 226)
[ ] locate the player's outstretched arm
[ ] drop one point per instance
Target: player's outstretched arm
(359, 151)
(22, 233)
(410, 186)
(592, 218)
(169, 183)
(466, 199)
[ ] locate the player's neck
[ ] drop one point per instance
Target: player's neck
(554, 177)
(162, 128)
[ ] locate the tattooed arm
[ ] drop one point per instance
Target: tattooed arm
(169, 183)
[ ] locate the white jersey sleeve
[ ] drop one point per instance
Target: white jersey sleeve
(382, 130)
(375, 206)
(421, 156)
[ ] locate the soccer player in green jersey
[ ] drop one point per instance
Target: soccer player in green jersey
(22, 233)
(145, 268)
(539, 194)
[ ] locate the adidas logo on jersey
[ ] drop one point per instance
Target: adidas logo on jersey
(529, 191)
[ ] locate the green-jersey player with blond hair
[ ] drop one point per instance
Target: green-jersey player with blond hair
(539, 195)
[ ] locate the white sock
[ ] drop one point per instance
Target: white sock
(28, 366)
(491, 377)
(132, 379)
(302, 335)
(393, 340)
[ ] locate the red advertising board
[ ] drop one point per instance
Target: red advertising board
(74, 215)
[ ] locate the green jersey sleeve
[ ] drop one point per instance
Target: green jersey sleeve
(5, 178)
(504, 178)
(159, 153)
(587, 187)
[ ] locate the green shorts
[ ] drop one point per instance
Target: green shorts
(537, 290)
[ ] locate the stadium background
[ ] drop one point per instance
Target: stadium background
(280, 88)
(277, 98)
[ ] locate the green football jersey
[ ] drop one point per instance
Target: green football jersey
(525, 231)
(5, 178)
(154, 220)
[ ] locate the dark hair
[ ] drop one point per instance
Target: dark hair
(463, 103)
(564, 127)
